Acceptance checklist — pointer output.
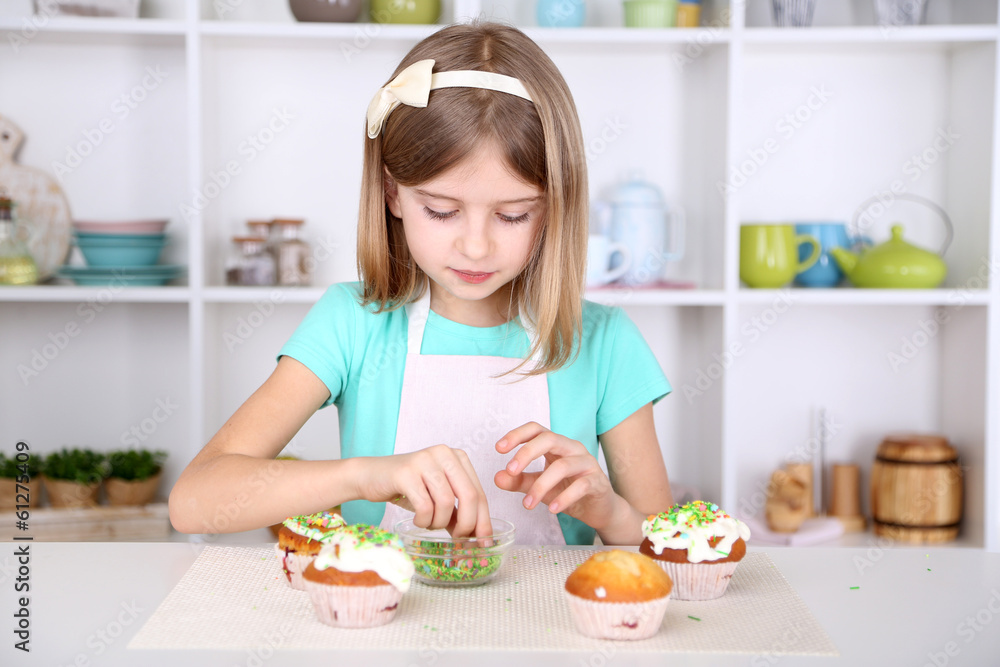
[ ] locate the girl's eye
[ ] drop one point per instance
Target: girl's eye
(514, 219)
(438, 215)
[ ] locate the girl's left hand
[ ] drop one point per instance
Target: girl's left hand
(572, 481)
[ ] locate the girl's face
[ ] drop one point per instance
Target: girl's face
(471, 231)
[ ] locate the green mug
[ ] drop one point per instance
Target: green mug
(769, 254)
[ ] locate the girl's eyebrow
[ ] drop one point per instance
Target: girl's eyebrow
(509, 201)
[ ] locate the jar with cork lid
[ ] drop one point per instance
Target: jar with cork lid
(292, 253)
(250, 264)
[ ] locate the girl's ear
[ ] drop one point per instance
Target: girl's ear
(391, 194)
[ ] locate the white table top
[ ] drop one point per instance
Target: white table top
(936, 606)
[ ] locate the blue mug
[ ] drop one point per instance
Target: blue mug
(561, 13)
(825, 272)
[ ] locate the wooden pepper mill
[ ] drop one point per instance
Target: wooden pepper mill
(845, 505)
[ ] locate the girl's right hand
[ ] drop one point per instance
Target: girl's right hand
(429, 481)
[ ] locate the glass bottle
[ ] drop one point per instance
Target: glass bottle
(17, 266)
(293, 254)
(251, 265)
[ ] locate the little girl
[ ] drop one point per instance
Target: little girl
(471, 378)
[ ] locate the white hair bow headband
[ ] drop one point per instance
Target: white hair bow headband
(414, 85)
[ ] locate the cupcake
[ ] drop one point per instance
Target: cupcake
(698, 545)
(300, 539)
(359, 577)
(618, 595)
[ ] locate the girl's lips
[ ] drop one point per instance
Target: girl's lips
(474, 278)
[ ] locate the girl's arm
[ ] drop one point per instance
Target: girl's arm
(615, 504)
(235, 483)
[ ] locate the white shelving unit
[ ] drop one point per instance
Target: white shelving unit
(253, 115)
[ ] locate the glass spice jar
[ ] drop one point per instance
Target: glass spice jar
(251, 265)
(292, 254)
(17, 266)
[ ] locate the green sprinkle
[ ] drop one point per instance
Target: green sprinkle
(508, 599)
(724, 553)
(425, 627)
(694, 618)
(928, 569)
(555, 562)
(434, 629)
(854, 588)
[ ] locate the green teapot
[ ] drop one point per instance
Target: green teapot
(895, 263)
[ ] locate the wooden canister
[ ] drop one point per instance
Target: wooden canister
(916, 488)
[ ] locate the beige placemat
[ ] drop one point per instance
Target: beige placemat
(237, 598)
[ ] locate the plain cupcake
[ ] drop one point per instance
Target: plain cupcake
(698, 545)
(359, 577)
(618, 595)
(300, 540)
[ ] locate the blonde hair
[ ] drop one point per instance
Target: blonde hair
(541, 142)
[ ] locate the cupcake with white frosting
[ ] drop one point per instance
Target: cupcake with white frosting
(698, 545)
(359, 577)
(299, 541)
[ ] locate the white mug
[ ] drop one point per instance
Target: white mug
(600, 250)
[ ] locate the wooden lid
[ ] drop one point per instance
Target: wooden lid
(920, 447)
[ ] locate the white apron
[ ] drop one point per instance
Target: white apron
(457, 400)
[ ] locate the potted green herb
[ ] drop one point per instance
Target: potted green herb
(134, 476)
(73, 477)
(12, 470)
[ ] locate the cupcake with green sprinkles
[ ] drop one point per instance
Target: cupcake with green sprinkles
(300, 540)
(698, 545)
(359, 577)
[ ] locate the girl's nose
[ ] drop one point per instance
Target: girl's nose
(475, 241)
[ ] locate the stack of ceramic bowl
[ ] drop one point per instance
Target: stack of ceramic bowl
(121, 252)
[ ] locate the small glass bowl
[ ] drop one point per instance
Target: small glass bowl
(442, 560)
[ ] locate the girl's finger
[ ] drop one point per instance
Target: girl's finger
(515, 483)
(572, 494)
(440, 491)
(516, 436)
(545, 443)
(559, 471)
(470, 494)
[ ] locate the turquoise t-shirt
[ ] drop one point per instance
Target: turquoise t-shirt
(360, 356)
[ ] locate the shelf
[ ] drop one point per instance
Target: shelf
(864, 297)
(96, 26)
(316, 30)
(925, 34)
(254, 294)
(624, 296)
(109, 294)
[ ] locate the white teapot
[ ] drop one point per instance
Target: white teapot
(637, 218)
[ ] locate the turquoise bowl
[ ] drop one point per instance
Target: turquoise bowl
(141, 239)
(121, 253)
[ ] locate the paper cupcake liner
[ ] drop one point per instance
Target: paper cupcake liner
(353, 606)
(699, 581)
(293, 566)
(617, 620)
